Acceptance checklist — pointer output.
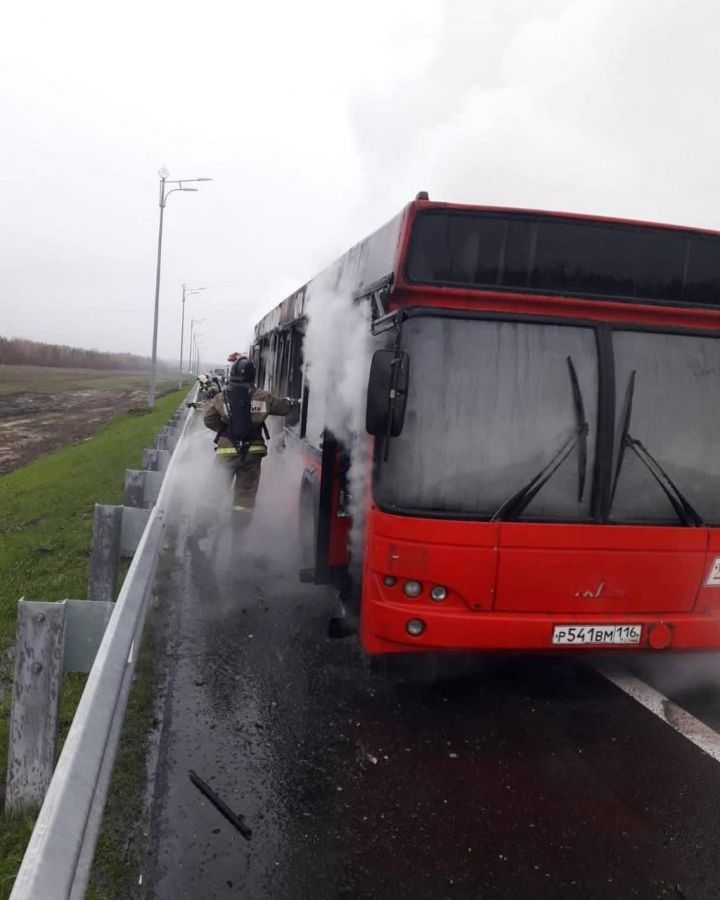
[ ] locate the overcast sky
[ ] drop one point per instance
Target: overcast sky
(318, 121)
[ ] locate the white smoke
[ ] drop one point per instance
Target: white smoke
(200, 482)
(338, 348)
(224, 556)
(272, 537)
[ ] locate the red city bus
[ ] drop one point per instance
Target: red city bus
(544, 401)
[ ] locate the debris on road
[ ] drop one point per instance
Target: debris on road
(220, 805)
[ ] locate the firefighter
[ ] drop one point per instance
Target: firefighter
(213, 388)
(237, 415)
(203, 385)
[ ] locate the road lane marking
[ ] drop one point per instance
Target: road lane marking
(676, 717)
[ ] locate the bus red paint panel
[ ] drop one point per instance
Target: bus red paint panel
(462, 557)
(595, 309)
(383, 630)
(599, 569)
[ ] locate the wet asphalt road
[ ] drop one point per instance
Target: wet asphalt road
(521, 777)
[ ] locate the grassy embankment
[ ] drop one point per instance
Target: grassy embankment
(46, 515)
(41, 379)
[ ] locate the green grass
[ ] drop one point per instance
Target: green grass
(47, 379)
(46, 515)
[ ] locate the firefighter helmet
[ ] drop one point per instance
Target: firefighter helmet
(243, 370)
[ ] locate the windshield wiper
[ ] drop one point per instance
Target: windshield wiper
(682, 506)
(582, 427)
(514, 505)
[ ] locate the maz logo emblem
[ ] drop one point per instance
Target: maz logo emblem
(602, 591)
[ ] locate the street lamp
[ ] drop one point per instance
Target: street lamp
(193, 341)
(163, 173)
(198, 345)
(196, 351)
(185, 292)
(193, 336)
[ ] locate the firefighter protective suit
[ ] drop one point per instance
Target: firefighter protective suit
(243, 463)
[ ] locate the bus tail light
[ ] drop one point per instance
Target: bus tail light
(660, 636)
(415, 627)
(412, 589)
(389, 581)
(438, 593)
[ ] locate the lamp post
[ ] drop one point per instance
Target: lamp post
(197, 356)
(196, 351)
(185, 292)
(163, 173)
(193, 337)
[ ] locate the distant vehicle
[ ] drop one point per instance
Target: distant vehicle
(544, 401)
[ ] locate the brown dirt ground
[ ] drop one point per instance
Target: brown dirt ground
(33, 424)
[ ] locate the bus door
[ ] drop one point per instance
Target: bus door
(324, 513)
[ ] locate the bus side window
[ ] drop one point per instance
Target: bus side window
(283, 352)
(277, 361)
(267, 360)
(294, 380)
(262, 348)
(257, 361)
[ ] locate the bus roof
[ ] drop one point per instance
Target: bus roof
(578, 216)
(382, 253)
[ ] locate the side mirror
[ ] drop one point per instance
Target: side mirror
(387, 392)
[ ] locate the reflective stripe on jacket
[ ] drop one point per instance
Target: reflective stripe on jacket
(256, 448)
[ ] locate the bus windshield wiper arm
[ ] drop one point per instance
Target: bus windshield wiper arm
(514, 505)
(582, 427)
(682, 506)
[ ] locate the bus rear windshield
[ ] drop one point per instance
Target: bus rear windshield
(553, 255)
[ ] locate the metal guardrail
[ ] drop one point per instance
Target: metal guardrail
(58, 858)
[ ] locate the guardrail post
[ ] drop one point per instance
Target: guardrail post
(142, 487)
(134, 520)
(165, 442)
(163, 459)
(85, 625)
(151, 487)
(105, 552)
(150, 459)
(134, 487)
(154, 460)
(35, 703)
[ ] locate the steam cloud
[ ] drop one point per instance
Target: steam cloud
(222, 559)
(338, 348)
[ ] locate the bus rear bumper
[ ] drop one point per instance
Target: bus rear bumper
(384, 629)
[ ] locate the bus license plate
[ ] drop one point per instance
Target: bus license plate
(598, 635)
